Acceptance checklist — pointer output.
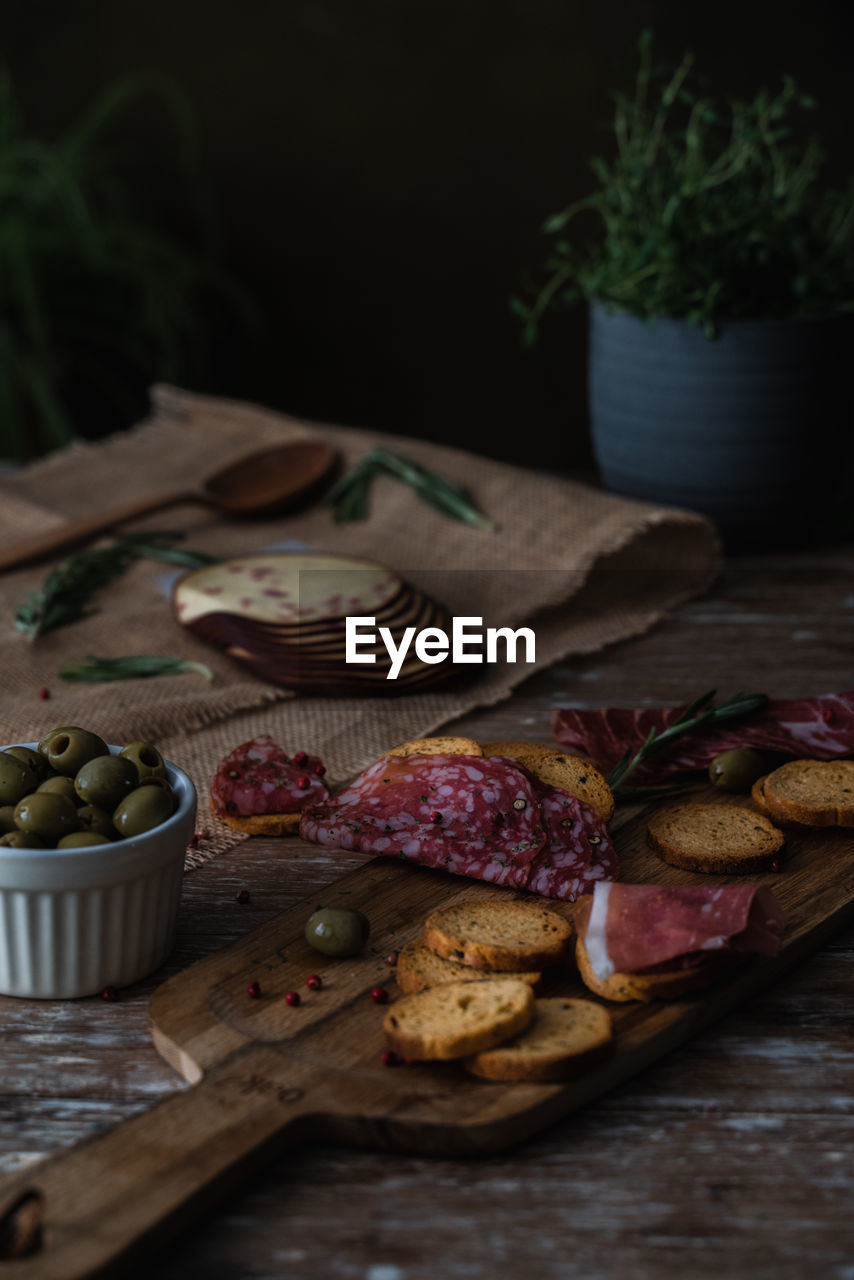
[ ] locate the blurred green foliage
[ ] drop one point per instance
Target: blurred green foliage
(93, 295)
(708, 211)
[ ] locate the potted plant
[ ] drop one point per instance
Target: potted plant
(720, 282)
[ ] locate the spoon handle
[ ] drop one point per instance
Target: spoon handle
(72, 534)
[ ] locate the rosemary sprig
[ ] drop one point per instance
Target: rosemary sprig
(701, 711)
(66, 592)
(349, 497)
(138, 666)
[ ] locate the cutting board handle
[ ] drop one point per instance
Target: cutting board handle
(87, 1210)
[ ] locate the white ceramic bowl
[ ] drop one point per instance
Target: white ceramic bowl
(73, 921)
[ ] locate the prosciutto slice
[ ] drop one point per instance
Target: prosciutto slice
(821, 728)
(259, 777)
(478, 817)
(637, 927)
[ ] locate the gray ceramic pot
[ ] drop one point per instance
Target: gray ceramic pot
(752, 427)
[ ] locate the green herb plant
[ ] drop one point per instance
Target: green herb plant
(708, 211)
(96, 301)
(65, 594)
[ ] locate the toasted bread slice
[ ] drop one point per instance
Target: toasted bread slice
(458, 1018)
(509, 936)
(565, 1037)
(571, 773)
(437, 747)
(419, 968)
(815, 793)
(664, 984)
(261, 824)
(718, 839)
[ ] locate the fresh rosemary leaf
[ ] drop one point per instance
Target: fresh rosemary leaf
(137, 666)
(702, 711)
(66, 593)
(349, 497)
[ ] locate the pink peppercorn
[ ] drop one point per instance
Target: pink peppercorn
(254, 990)
(379, 995)
(292, 997)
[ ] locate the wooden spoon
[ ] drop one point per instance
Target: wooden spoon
(261, 484)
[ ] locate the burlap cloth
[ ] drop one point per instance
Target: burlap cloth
(583, 567)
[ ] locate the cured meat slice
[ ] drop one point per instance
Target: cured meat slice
(258, 777)
(635, 927)
(821, 728)
(484, 818)
(462, 814)
(578, 851)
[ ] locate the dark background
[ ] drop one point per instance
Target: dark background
(381, 168)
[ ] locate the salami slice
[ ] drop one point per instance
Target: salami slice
(484, 818)
(258, 777)
(820, 728)
(633, 928)
(578, 852)
(462, 814)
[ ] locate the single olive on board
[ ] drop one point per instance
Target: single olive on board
(337, 931)
(142, 809)
(148, 760)
(47, 815)
(67, 750)
(16, 779)
(105, 781)
(737, 769)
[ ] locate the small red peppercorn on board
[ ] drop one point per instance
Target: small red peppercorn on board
(268, 1072)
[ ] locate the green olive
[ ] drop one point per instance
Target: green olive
(67, 750)
(737, 769)
(39, 766)
(337, 931)
(16, 779)
(148, 760)
(22, 840)
(60, 786)
(142, 810)
(7, 819)
(105, 781)
(97, 821)
(81, 839)
(47, 815)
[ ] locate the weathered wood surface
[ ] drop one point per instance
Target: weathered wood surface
(733, 1154)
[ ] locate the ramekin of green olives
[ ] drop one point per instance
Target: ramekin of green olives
(92, 845)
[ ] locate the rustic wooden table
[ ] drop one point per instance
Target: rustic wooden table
(732, 1155)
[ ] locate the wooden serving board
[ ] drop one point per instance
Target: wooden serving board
(266, 1075)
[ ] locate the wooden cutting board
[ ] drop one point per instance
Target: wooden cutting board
(267, 1076)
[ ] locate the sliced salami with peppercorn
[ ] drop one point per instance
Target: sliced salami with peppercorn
(258, 777)
(483, 818)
